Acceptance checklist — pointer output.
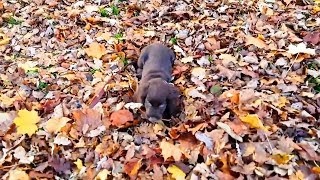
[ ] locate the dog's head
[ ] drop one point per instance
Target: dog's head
(157, 95)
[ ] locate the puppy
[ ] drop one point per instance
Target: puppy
(160, 98)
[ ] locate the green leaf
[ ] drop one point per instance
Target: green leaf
(216, 90)
(173, 40)
(104, 12)
(13, 21)
(42, 85)
(115, 10)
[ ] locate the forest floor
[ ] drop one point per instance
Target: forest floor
(248, 72)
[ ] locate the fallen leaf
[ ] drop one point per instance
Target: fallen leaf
(254, 121)
(55, 125)
(300, 48)
(170, 150)
(229, 131)
(18, 174)
(4, 39)
(26, 122)
(176, 172)
(199, 72)
(132, 168)
(187, 59)
(21, 154)
(204, 138)
(316, 170)
(96, 50)
(312, 37)
(256, 41)
(102, 175)
(61, 140)
(121, 118)
(282, 158)
(79, 164)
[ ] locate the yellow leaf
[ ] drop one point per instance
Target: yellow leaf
(170, 150)
(26, 122)
(54, 125)
(6, 101)
(176, 172)
(29, 66)
(18, 174)
(254, 121)
(102, 175)
(282, 158)
(316, 9)
(4, 39)
(96, 50)
(78, 163)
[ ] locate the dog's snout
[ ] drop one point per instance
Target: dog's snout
(153, 119)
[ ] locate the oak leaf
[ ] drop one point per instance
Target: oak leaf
(96, 50)
(26, 122)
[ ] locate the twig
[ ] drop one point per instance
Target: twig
(291, 64)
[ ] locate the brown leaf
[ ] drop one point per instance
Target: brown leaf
(170, 150)
(86, 120)
(121, 118)
(312, 37)
(256, 41)
(132, 168)
(96, 50)
(37, 175)
(59, 164)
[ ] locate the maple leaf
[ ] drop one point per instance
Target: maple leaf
(254, 121)
(96, 50)
(282, 158)
(176, 172)
(26, 122)
(170, 150)
(54, 125)
(132, 168)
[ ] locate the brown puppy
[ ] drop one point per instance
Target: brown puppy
(154, 91)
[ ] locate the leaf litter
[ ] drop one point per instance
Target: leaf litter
(248, 72)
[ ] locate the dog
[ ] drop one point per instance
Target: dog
(159, 97)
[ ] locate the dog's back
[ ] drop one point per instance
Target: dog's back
(156, 59)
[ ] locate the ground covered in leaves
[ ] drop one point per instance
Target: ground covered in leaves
(248, 72)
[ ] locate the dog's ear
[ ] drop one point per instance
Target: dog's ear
(173, 101)
(141, 93)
